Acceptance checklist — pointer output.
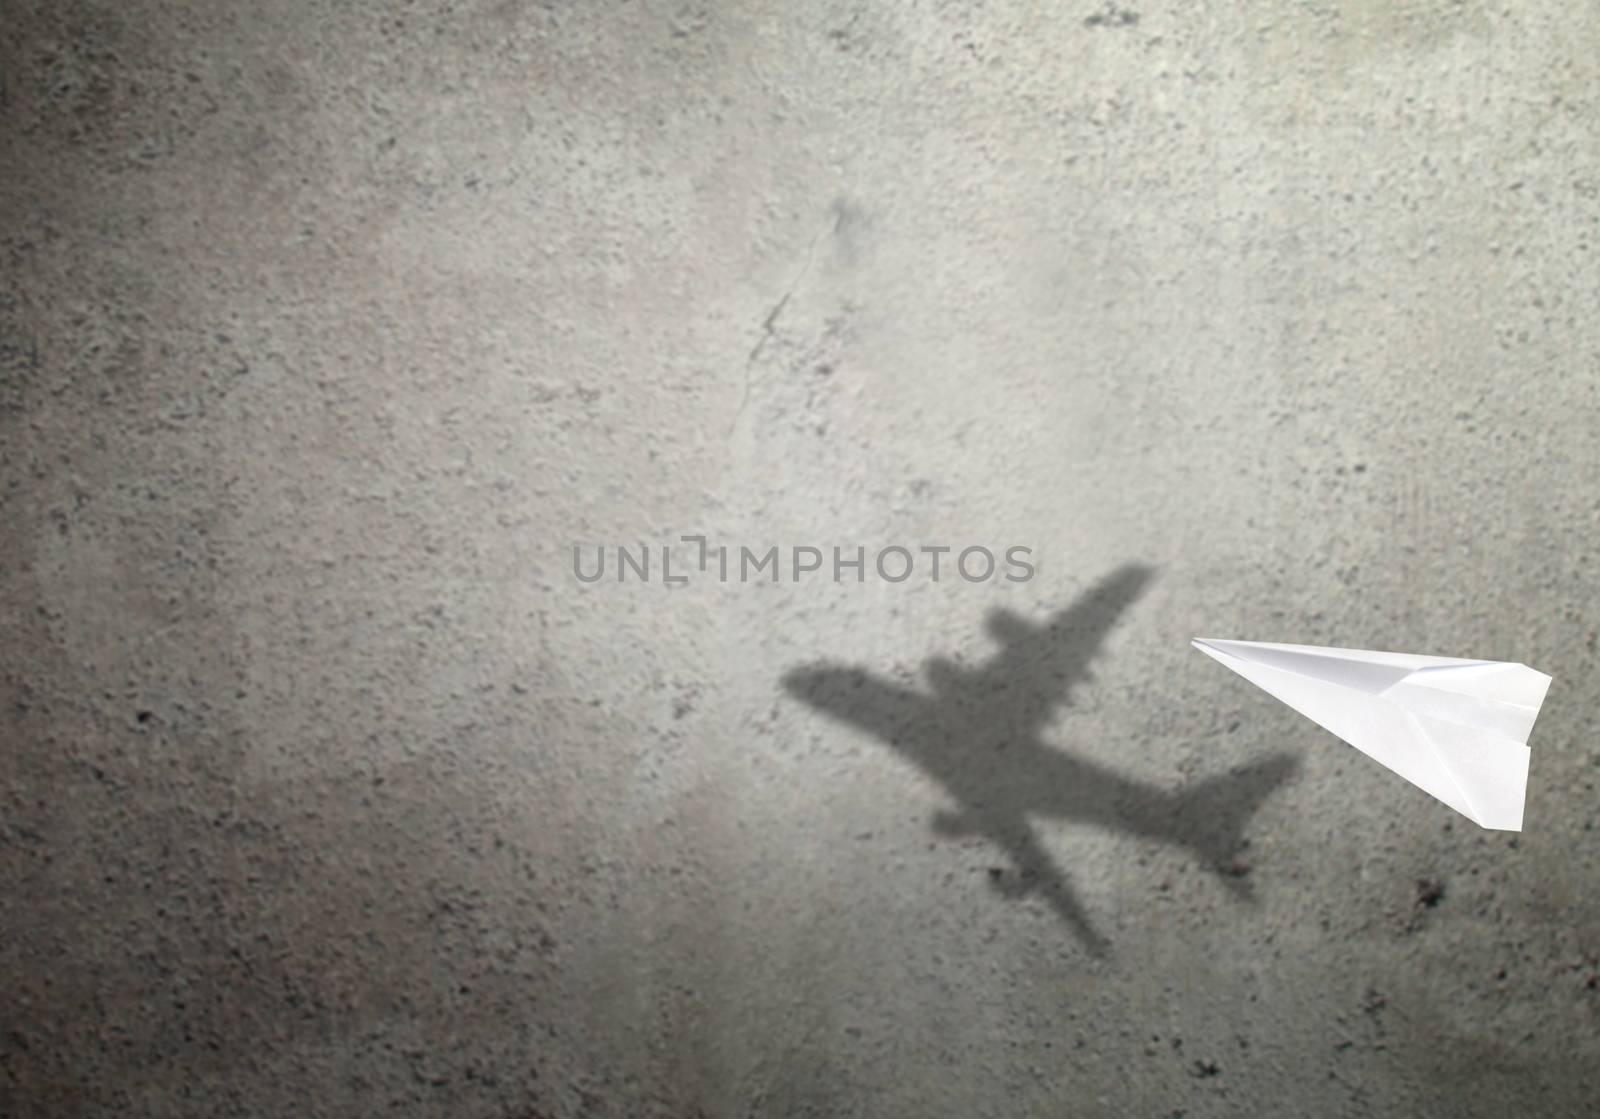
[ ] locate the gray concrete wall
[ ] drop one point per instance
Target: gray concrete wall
(327, 330)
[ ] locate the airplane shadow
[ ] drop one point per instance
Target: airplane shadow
(978, 733)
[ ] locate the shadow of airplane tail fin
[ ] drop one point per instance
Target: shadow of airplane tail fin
(1213, 815)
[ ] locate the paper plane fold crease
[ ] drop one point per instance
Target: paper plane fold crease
(1457, 729)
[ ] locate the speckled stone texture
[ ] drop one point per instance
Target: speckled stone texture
(327, 330)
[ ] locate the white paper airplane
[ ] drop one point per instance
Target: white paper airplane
(1457, 729)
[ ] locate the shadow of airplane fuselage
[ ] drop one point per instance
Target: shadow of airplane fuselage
(978, 735)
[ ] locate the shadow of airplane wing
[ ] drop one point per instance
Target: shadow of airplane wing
(910, 722)
(1037, 873)
(1038, 665)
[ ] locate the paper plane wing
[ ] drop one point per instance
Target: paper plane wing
(1457, 729)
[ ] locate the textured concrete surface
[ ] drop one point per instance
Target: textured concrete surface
(327, 330)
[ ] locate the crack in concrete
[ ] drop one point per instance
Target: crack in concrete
(770, 322)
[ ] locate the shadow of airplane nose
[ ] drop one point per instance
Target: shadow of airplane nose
(822, 681)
